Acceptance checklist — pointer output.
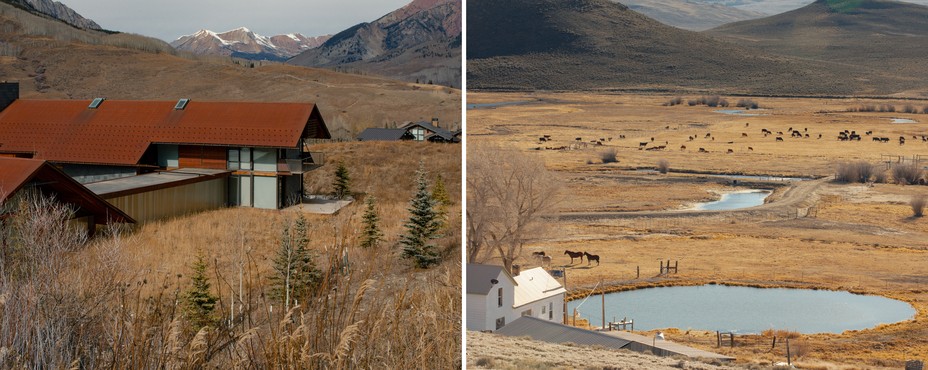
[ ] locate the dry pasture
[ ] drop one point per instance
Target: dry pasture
(813, 234)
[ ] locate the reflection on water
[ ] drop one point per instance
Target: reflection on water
(746, 310)
(736, 200)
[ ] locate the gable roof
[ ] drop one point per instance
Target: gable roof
(552, 332)
(382, 134)
(118, 132)
(479, 276)
(534, 285)
(436, 131)
(17, 173)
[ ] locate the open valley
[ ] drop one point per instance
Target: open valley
(812, 232)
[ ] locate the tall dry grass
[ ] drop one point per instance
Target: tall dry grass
(116, 301)
(906, 174)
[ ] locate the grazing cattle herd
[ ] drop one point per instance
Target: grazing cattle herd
(793, 133)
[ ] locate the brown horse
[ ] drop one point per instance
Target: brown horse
(590, 258)
(574, 255)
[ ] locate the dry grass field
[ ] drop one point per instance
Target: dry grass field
(810, 234)
(120, 300)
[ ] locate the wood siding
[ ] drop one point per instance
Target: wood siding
(193, 156)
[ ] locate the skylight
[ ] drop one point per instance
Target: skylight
(181, 104)
(96, 103)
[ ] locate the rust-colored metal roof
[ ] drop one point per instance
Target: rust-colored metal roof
(15, 173)
(118, 132)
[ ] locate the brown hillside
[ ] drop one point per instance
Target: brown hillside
(879, 34)
(690, 14)
(60, 62)
(596, 44)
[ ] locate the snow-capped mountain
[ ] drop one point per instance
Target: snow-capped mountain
(242, 42)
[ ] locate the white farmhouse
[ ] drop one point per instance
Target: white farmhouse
(495, 298)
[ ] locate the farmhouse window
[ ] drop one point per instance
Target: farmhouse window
(500, 322)
(418, 133)
(550, 310)
(499, 299)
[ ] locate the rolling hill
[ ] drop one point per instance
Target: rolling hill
(600, 45)
(53, 60)
(418, 42)
(694, 15)
(882, 35)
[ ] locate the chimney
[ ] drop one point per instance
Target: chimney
(516, 269)
(9, 92)
(435, 122)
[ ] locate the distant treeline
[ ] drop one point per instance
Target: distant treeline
(713, 101)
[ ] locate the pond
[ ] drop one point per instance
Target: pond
(904, 120)
(495, 105)
(745, 310)
(740, 112)
(735, 200)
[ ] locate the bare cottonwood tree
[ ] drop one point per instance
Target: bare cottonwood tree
(507, 194)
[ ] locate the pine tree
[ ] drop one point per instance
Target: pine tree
(423, 225)
(372, 234)
(297, 275)
(341, 185)
(200, 302)
(306, 275)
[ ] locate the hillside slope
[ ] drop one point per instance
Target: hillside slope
(694, 15)
(61, 66)
(596, 44)
(883, 35)
(420, 41)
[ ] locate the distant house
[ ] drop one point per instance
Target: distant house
(181, 156)
(417, 131)
(19, 176)
(495, 298)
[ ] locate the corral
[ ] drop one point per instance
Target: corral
(810, 234)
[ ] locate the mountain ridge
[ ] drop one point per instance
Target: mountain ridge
(419, 41)
(242, 42)
(599, 45)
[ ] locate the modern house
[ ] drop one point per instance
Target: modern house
(495, 297)
(19, 176)
(181, 156)
(415, 131)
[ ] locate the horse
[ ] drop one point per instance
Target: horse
(590, 258)
(574, 255)
(546, 261)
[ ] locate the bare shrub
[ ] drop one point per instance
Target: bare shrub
(887, 108)
(882, 177)
(747, 103)
(918, 203)
(675, 101)
(608, 156)
(663, 166)
(692, 103)
(713, 101)
(859, 171)
(906, 174)
(909, 108)
(723, 103)
(925, 110)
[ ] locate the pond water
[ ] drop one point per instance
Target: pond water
(495, 105)
(740, 112)
(735, 200)
(745, 310)
(904, 120)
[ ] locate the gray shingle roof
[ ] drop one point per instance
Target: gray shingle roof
(382, 134)
(478, 278)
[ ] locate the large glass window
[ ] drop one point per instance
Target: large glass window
(265, 160)
(246, 158)
(233, 163)
(239, 159)
(418, 133)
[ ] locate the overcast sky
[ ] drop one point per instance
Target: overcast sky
(170, 19)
